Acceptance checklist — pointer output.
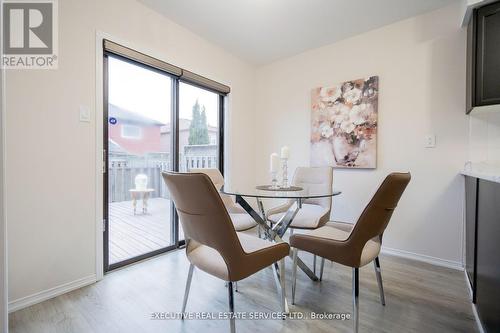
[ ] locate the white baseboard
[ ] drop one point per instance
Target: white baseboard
(420, 257)
(478, 321)
(467, 282)
(474, 310)
(44, 295)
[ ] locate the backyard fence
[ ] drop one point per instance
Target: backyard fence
(123, 168)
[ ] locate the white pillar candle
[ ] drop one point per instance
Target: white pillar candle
(285, 152)
(275, 162)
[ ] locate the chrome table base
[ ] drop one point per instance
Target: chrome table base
(276, 232)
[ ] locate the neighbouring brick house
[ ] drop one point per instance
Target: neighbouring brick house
(138, 144)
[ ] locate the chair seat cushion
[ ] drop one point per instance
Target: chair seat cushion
(210, 261)
(341, 225)
(252, 244)
(329, 232)
(309, 217)
(311, 242)
(371, 249)
(242, 221)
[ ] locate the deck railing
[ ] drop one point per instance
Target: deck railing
(123, 168)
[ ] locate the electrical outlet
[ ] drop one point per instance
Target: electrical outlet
(430, 141)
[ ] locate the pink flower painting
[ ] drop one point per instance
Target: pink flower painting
(344, 124)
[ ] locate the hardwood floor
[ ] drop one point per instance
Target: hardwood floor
(132, 235)
(420, 298)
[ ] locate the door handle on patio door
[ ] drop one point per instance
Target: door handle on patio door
(104, 161)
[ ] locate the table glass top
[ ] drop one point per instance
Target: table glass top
(252, 191)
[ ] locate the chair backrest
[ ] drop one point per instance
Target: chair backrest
(202, 213)
(316, 180)
(376, 215)
(213, 174)
(218, 180)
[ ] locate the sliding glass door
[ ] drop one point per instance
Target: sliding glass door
(157, 117)
(139, 148)
(200, 130)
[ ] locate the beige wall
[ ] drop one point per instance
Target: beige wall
(484, 135)
(421, 66)
(51, 156)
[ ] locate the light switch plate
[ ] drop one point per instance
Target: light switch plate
(84, 114)
(430, 141)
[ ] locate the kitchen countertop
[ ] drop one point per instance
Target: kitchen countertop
(486, 171)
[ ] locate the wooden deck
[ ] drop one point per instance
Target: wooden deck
(132, 235)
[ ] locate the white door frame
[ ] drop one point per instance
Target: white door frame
(4, 316)
(99, 133)
(99, 178)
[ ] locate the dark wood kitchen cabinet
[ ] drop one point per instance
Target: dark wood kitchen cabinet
(483, 57)
(470, 231)
(488, 255)
(482, 219)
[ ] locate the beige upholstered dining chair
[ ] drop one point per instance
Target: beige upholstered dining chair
(213, 245)
(357, 246)
(241, 219)
(314, 212)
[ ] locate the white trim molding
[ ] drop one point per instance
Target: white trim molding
(423, 258)
(4, 318)
(467, 282)
(44, 295)
(474, 310)
(99, 213)
(480, 327)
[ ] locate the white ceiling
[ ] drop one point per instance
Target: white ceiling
(262, 31)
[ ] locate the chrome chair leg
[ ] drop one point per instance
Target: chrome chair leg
(378, 272)
(314, 265)
(355, 298)
(283, 287)
(188, 286)
(232, 324)
(294, 274)
(279, 277)
(235, 285)
(321, 269)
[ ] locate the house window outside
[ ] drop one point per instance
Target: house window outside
(131, 132)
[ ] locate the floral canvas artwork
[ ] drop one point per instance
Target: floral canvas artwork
(344, 124)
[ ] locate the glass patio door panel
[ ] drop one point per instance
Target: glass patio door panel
(139, 149)
(199, 130)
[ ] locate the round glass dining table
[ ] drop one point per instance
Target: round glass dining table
(296, 195)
